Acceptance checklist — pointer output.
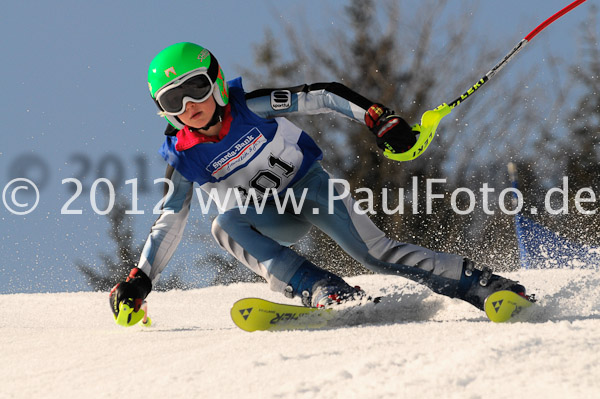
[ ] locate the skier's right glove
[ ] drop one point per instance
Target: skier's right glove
(126, 298)
(391, 132)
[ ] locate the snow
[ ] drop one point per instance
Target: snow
(413, 344)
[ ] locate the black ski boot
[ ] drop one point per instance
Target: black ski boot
(319, 288)
(476, 285)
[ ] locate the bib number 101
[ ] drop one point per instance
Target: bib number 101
(272, 178)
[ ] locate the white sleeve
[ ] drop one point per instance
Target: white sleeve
(167, 231)
(316, 98)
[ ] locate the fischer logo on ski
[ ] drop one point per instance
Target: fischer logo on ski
(497, 305)
(245, 313)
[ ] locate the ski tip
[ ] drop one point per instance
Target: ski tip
(503, 306)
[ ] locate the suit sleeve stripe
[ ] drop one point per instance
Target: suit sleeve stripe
(311, 99)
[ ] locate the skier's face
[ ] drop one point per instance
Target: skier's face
(198, 115)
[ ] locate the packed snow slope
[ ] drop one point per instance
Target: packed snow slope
(414, 344)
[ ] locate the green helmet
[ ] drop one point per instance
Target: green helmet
(181, 59)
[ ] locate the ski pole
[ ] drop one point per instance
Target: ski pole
(514, 52)
(431, 119)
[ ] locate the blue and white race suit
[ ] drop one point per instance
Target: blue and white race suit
(266, 152)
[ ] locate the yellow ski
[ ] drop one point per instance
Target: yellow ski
(255, 314)
(503, 306)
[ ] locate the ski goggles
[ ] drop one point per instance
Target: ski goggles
(195, 87)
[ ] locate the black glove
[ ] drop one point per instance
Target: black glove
(391, 131)
(133, 291)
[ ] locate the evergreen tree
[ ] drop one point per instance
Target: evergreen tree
(581, 148)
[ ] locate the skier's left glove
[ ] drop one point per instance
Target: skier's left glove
(126, 298)
(391, 132)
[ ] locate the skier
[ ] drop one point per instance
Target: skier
(223, 138)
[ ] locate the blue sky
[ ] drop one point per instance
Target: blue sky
(75, 74)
